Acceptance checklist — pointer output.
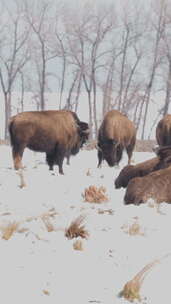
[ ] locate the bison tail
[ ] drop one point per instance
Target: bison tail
(10, 129)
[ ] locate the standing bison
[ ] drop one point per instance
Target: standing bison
(116, 133)
(57, 133)
(163, 131)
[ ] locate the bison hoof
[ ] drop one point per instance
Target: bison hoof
(22, 186)
(61, 172)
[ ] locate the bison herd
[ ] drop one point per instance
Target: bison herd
(60, 134)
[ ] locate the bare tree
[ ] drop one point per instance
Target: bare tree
(130, 58)
(69, 105)
(85, 38)
(37, 16)
(167, 58)
(123, 54)
(62, 53)
(159, 28)
(22, 90)
(13, 55)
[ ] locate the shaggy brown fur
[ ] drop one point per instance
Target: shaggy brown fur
(163, 131)
(156, 185)
(163, 160)
(57, 133)
(116, 133)
(130, 171)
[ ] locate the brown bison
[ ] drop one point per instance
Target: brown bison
(116, 133)
(156, 185)
(57, 133)
(163, 131)
(163, 160)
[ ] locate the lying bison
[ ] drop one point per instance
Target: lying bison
(163, 160)
(130, 171)
(156, 185)
(57, 133)
(116, 133)
(163, 131)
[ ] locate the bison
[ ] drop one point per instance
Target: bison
(156, 185)
(163, 131)
(115, 134)
(58, 133)
(163, 160)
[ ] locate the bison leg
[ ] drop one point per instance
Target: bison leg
(60, 163)
(129, 150)
(55, 157)
(50, 159)
(68, 160)
(22, 181)
(100, 158)
(17, 158)
(68, 157)
(60, 154)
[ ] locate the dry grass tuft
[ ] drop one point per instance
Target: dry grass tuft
(22, 230)
(47, 223)
(76, 229)
(131, 290)
(95, 195)
(78, 245)
(133, 229)
(46, 292)
(9, 230)
(107, 211)
(49, 214)
(88, 173)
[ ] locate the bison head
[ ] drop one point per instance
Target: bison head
(111, 151)
(124, 177)
(83, 132)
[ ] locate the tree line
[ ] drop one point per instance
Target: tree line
(122, 51)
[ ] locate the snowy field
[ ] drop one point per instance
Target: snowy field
(39, 264)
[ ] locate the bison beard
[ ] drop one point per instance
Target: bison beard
(116, 133)
(57, 133)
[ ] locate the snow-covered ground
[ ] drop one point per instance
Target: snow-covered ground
(39, 263)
